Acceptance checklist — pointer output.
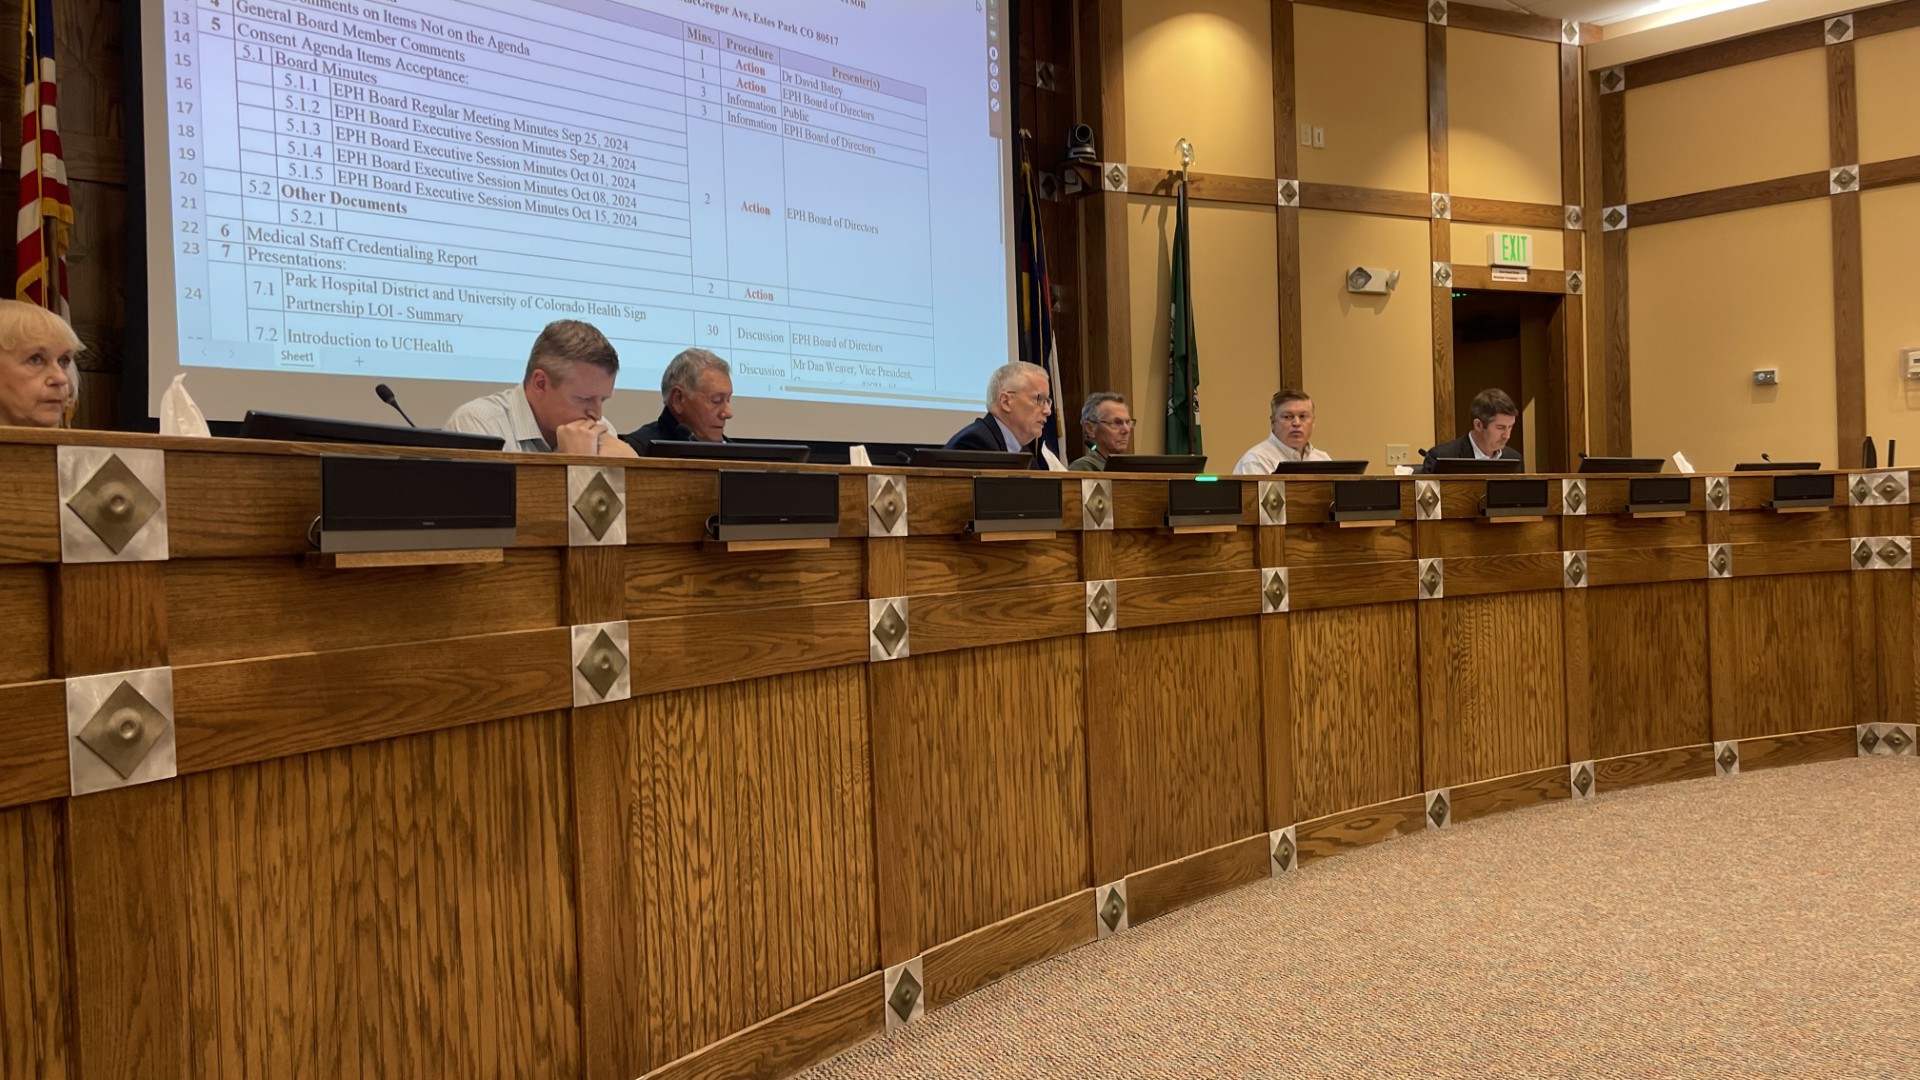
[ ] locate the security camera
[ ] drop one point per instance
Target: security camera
(1080, 143)
(1372, 279)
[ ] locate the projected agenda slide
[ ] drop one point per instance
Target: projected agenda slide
(815, 189)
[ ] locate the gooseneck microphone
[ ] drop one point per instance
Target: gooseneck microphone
(386, 395)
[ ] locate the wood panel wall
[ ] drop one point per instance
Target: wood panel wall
(396, 845)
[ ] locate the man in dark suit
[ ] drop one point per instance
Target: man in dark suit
(1019, 401)
(1493, 418)
(696, 401)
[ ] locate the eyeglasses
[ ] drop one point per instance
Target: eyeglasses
(1117, 424)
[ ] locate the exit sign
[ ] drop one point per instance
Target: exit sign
(1510, 249)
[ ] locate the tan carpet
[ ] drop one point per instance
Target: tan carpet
(1758, 926)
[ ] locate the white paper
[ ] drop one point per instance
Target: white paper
(857, 455)
(1680, 462)
(178, 413)
(1054, 464)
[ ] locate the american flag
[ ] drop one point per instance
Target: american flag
(46, 207)
(1036, 297)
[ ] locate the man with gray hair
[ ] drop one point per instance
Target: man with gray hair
(558, 407)
(1019, 401)
(696, 401)
(1107, 423)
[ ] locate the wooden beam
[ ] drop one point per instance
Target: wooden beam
(1409, 10)
(1886, 19)
(1202, 187)
(1481, 277)
(1849, 305)
(1518, 215)
(1722, 54)
(1726, 200)
(1286, 166)
(1359, 200)
(1468, 16)
(1879, 174)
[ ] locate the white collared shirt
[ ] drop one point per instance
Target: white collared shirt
(508, 416)
(1007, 436)
(1265, 456)
(1478, 454)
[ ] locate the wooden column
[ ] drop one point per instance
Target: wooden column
(1570, 381)
(1615, 392)
(1108, 329)
(126, 849)
(1442, 234)
(1849, 315)
(1286, 167)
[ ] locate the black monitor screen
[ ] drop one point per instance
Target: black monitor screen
(727, 451)
(363, 493)
(778, 498)
(316, 429)
(1157, 463)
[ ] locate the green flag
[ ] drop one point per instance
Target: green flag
(1183, 355)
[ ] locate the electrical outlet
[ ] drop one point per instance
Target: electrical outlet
(1319, 138)
(1399, 454)
(1766, 377)
(1306, 134)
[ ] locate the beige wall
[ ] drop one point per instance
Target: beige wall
(1368, 359)
(1235, 280)
(1737, 125)
(1364, 80)
(1890, 222)
(1503, 126)
(1712, 299)
(1889, 94)
(1218, 56)
(1204, 71)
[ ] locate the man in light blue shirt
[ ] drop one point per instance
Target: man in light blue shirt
(558, 407)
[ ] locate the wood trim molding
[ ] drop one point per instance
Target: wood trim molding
(1764, 45)
(956, 968)
(1729, 200)
(1488, 797)
(1471, 16)
(1359, 200)
(1202, 187)
(1408, 10)
(1347, 830)
(810, 1031)
(1519, 215)
(1886, 19)
(1653, 767)
(1879, 174)
(33, 743)
(1157, 890)
(1570, 326)
(1481, 277)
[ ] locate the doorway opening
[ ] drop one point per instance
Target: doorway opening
(1515, 341)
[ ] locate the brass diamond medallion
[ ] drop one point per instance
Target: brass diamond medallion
(1717, 494)
(1721, 562)
(598, 506)
(602, 664)
(1116, 177)
(1862, 554)
(1611, 80)
(1114, 909)
(1576, 497)
(1430, 581)
(1576, 569)
(1897, 740)
(1844, 178)
(1101, 606)
(1861, 490)
(114, 504)
(1283, 853)
(1438, 811)
(1275, 503)
(1289, 192)
(1889, 488)
(1869, 739)
(891, 630)
(1097, 504)
(1583, 780)
(123, 729)
(1729, 757)
(1615, 217)
(1276, 592)
(906, 994)
(1892, 553)
(1442, 275)
(1429, 501)
(888, 505)
(1838, 29)
(1438, 11)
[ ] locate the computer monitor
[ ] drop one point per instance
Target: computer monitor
(971, 459)
(727, 451)
(1777, 466)
(284, 427)
(1479, 466)
(1185, 464)
(1320, 468)
(1622, 464)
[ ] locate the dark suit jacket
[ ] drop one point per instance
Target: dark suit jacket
(984, 434)
(667, 427)
(1461, 447)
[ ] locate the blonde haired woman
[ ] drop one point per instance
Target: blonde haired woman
(39, 376)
